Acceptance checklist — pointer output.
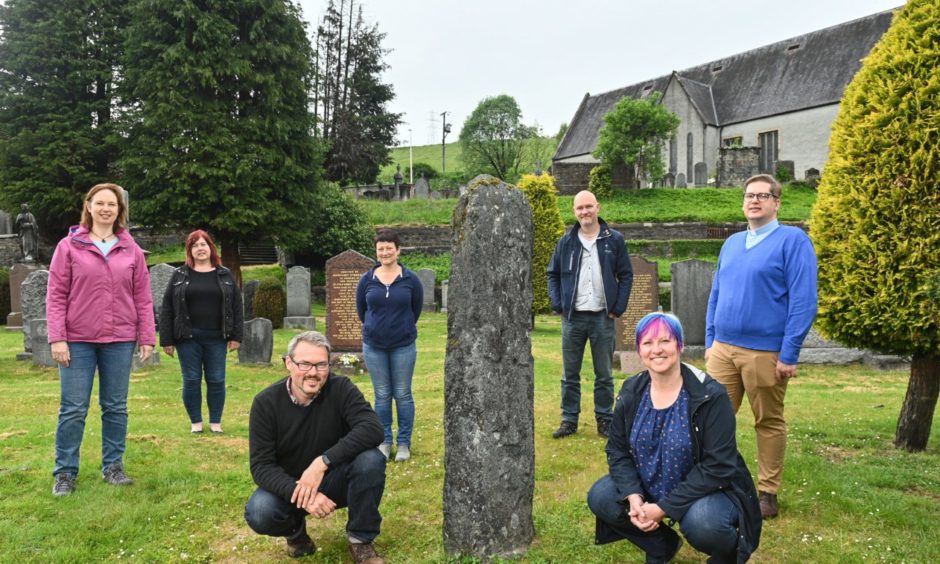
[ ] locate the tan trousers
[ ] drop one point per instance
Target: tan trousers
(737, 368)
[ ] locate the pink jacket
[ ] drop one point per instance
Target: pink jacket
(97, 299)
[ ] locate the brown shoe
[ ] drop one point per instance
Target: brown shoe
(364, 553)
(300, 544)
(768, 505)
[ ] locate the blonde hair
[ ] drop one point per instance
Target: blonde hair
(118, 192)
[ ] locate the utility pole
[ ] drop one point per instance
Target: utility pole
(411, 159)
(445, 128)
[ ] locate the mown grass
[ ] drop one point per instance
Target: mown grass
(848, 496)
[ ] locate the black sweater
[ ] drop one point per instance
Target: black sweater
(284, 438)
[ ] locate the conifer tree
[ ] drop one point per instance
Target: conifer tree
(547, 227)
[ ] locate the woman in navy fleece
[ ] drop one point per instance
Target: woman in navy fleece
(389, 299)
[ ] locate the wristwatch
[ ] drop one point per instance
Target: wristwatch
(326, 459)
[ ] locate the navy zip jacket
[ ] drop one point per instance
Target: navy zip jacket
(565, 266)
(389, 314)
(718, 464)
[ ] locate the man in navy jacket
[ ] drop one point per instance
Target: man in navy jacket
(589, 281)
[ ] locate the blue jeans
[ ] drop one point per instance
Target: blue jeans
(203, 354)
(710, 525)
(597, 328)
(391, 371)
(113, 363)
(358, 484)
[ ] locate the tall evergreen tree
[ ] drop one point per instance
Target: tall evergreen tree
(58, 64)
(220, 135)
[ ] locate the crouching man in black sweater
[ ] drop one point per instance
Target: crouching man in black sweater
(312, 442)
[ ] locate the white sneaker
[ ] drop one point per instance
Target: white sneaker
(386, 449)
(403, 454)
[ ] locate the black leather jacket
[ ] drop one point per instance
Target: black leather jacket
(175, 324)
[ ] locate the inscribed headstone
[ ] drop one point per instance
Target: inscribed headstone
(33, 300)
(644, 298)
(298, 292)
(257, 342)
(160, 275)
(427, 278)
(489, 447)
(42, 350)
(691, 284)
(422, 188)
(343, 328)
(18, 273)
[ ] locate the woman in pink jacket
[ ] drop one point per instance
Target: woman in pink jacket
(98, 307)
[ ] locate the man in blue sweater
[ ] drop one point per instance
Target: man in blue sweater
(762, 305)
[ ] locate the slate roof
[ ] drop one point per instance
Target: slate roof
(795, 74)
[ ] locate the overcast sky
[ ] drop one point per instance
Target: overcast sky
(447, 55)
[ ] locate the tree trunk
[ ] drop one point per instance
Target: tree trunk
(917, 411)
(231, 259)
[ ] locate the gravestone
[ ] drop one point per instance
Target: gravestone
(404, 192)
(42, 350)
(33, 298)
(669, 181)
(343, 328)
(644, 298)
(680, 180)
(6, 227)
(427, 278)
(160, 275)
(701, 174)
(152, 360)
(18, 273)
(691, 284)
(489, 447)
(298, 300)
(435, 195)
(257, 342)
(248, 297)
(811, 177)
(444, 288)
(422, 188)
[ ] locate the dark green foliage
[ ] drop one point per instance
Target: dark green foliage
(338, 223)
(561, 133)
(58, 63)
(633, 133)
(219, 135)
(599, 182)
(547, 228)
(783, 175)
(427, 170)
(270, 301)
(676, 248)
(4, 294)
(493, 139)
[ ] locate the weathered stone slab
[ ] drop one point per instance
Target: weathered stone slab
(700, 173)
(18, 274)
(343, 328)
(33, 301)
(680, 180)
(298, 292)
(691, 285)
(42, 350)
(300, 322)
(422, 189)
(160, 275)
(644, 298)
(427, 278)
(489, 449)
(248, 297)
(257, 343)
(444, 289)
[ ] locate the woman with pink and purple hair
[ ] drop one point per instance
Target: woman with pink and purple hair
(672, 455)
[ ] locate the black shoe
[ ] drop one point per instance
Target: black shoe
(300, 544)
(679, 543)
(603, 427)
(566, 428)
(114, 475)
(64, 484)
(768, 505)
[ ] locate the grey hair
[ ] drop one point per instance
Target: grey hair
(314, 338)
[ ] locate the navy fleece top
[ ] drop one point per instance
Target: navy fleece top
(389, 314)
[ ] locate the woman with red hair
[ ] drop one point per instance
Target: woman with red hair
(202, 310)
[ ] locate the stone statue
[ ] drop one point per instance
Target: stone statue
(25, 226)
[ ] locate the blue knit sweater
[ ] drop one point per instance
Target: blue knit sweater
(764, 298)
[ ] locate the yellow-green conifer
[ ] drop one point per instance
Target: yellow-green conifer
(548, 228)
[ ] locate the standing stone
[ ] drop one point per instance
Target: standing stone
(343, 328)
(160, 275)
(42, 350)
(18, 273)
(644, 298)
(422, 188)
(257, 342)
(489, 447)
(427, 278)
(680, 180)
(691, 285)
(444, 288)
(248, 297)
(33, 297)
(700, 173)
(298, 300)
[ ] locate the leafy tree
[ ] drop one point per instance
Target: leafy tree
(876, 223)
(427, 170)
(493, 138)
(599, 181)
(633, 133)
(339, 223)
(219, 135)
(350, 97)
(547, 227)
(58, 63)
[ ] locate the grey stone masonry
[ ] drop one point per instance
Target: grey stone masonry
(691, 284)
(444, 289)
(427, 278)
(42, 350)
(160, 275)
(489, 446)
(422, 189)
(258, 342)
(33, 298)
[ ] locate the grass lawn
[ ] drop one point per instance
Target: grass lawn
(848, 496)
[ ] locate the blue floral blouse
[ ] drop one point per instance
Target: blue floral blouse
(662, 444)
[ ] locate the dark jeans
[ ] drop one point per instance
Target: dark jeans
(597, 328)
(357, 485)
(710, 525)
(203, 354)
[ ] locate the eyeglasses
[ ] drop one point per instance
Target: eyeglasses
(762, 196)
(307, 366)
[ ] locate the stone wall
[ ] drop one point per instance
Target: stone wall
(737, 164)
(571, 178)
